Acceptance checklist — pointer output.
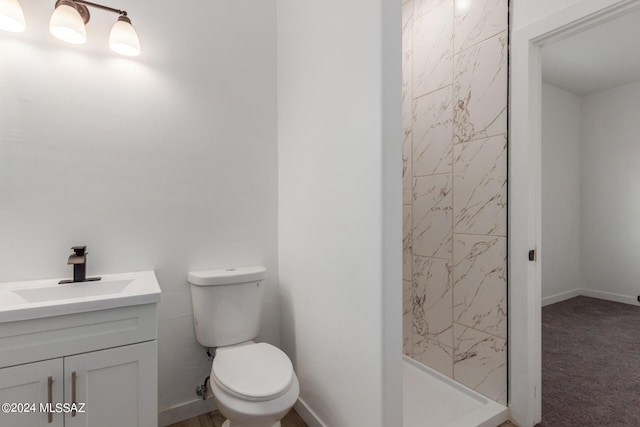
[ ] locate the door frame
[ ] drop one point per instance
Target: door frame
(525, 177)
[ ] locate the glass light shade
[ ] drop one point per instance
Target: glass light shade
(11, 16)
(123, 38)
(67, 25)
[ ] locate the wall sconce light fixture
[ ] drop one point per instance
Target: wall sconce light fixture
(11, 16)
(69, 19)
(68, 24)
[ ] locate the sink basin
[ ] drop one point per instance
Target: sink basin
(73, 290)
(45, 298)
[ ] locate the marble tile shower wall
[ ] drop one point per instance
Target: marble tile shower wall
(455, 189)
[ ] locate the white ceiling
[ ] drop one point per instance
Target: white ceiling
(596, 59)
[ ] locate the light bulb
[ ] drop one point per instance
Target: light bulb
(11, 16)
(67, 24)
(123, 38)
(463, 5)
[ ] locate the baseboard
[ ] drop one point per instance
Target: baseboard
(185, 411)
(625, 299)
(307, 414)
(561, 297)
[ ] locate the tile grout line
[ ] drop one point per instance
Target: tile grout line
(453, 186)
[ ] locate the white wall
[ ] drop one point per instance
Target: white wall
(167, 161)
(560, 255)
(339, 146)
(590, 200)
(526, 12)
(611, 190)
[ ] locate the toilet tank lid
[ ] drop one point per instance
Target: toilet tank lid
(227, 276)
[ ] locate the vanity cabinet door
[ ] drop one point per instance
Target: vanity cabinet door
(30, 387)
(117, 386)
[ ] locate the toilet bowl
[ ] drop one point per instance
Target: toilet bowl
(253, 384)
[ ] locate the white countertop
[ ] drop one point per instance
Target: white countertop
(45, 298)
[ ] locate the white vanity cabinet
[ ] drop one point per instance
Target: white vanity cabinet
(104, 361)
(118, 386)
(33, 383)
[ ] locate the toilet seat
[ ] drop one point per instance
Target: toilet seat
(254, 372)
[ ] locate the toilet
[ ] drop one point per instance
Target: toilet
(253, 384)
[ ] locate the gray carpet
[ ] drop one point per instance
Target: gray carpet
(591, 364)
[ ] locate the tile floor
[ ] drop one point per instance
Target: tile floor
(214, 419)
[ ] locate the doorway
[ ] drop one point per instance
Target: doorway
(589, 205)
(526, 194)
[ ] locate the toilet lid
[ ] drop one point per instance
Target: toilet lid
(256, 371)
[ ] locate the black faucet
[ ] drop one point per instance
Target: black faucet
(79, 261)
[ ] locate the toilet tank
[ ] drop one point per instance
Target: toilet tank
(227, 304)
